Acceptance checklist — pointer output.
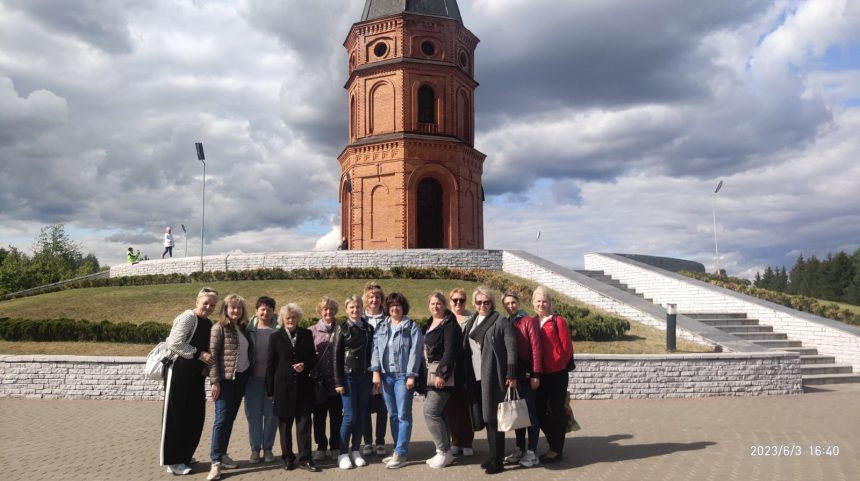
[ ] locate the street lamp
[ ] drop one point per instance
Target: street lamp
(202, 158)
(185, 233)
(714, 211)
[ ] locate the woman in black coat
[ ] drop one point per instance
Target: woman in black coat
(291, 357)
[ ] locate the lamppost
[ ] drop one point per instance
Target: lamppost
(185, 233)
(202, 158)
(714, 211)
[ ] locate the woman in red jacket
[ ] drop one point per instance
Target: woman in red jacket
(556, 352)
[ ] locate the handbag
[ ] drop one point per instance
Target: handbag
(431, 376)
(157, 362)
(513, 412)
(160, 358)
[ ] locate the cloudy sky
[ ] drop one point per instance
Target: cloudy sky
(607, 125)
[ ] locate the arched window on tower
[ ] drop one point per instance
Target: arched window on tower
(427, 107)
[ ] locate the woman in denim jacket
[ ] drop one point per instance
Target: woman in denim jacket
(396, 356)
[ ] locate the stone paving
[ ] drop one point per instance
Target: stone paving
(666, 439)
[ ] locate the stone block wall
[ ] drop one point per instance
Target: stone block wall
(693, 296)
(384, 259)
(596, 376)
(681, 376)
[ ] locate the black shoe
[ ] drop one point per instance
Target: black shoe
(309, 466)
(550, 457)
(290, 464)
(494, 467)
(486, 463)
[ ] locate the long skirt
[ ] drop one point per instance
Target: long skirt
(184, 412)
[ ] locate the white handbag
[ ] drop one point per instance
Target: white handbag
(513, 412)
(157, 362)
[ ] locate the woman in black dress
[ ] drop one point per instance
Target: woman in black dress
(291, 357)
(185, 397)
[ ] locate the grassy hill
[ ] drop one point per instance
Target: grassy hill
(161, 303)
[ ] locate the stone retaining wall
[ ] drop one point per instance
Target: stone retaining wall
(384, 259)
(596, 376)
(692, 296)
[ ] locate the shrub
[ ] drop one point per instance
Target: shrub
(82, 330)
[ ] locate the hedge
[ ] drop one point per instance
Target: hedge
(800, 303)
(56, 330)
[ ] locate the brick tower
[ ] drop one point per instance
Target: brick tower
(410, 175)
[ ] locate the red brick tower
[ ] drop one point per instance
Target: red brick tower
(410, 175)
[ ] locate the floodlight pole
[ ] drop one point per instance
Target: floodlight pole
(714, 211)
(185, 233)
(202, 158)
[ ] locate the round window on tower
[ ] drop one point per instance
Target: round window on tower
(464, 60)
(380, 50)
(428, 48)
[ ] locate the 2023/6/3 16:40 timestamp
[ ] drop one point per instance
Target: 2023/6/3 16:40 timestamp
(823, 450)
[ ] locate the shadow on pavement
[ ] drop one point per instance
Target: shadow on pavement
(582, 451)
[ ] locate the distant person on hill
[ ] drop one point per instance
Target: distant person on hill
(168, 242)
(344, 245)
(131, 257)
(185, 391)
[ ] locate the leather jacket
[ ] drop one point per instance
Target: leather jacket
(352, 346)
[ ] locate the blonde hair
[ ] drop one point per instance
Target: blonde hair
(439, 296)
(486, 292)
(291, 308)
(231, 299)
(354, 299)
(457, 290)
(542, 291)
(206, 292)
(327, 301)
(370, 289)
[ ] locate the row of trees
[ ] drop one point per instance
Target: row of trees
(836, 278)
(55, 258)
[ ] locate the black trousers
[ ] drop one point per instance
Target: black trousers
(496, 442)
(377, 405)
(551, 397)
(333, 409)
(303, 437)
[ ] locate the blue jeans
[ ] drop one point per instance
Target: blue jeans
(356, 405)
(398, 400)
(226, 408)
(262, 425)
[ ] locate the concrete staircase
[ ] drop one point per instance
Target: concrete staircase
(815, 369)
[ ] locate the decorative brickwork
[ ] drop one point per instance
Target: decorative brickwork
(411, 177)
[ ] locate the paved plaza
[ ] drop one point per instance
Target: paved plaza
(668, 439)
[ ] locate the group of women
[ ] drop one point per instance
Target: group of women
(337, 374)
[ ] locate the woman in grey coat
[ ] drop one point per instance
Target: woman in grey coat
(490, 356)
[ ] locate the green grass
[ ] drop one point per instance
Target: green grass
(162, 303)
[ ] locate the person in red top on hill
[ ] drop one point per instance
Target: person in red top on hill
(556, 353)
(529, 357)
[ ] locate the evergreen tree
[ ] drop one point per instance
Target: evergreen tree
(797, 275)
(839, 273)
(782, 280)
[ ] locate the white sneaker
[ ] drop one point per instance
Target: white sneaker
(344, 462)
(468, 452)
(269, 456)
(358, 460)
(529, 459)
(254, 458)
(514, 457)
(444, 459)
(456, 451)
(215, 472)
(387, 459)
(227, 463)
(366, 450)
(380, 450)
(318, 455)
(396, 461)
(179, 469)
(434, 458)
